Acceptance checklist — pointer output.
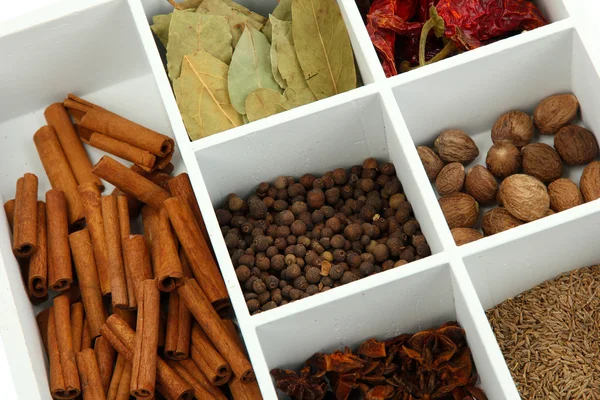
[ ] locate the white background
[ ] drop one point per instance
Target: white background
(10, 9)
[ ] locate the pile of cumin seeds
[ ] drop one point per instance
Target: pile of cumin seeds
(550, 337)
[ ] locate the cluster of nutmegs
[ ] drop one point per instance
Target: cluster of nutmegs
(295, 238)
(530, 174)
(432, 364)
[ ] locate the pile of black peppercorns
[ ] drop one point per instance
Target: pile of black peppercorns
(293, 239)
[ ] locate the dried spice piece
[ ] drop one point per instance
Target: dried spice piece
(432, 364)
(264, 102)
(282, 12)
(280, 31)
(557, 338)
(237, 19)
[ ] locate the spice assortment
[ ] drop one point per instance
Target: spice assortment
(431, 364)
(142, 315)
(231, 66)
(549, 337)
(522, 178)
(413, 33)
(295, 238)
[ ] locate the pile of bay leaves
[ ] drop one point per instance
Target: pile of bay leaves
(231, 66)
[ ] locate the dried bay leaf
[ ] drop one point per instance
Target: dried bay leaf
(323, 47)
(297, 98)
(160, 27)
(203, 96)
(191, 32)
(282, 12)
(281, 30)
(236, 19)
(250, 68)
(263, 103)
(185, 4)
(257, 17)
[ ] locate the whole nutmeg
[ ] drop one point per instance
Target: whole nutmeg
(514, 126)
(465, 235)
(455, 145)
(498, 220)
(481, 184)
(589, 184)
(503, 159)
(431, 161)
(564, 194)
(524, 196)
(576, 145)
(554, 112)
(541, 161)
(450, 179)
(460, 210)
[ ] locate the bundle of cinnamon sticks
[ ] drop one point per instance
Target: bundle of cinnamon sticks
(142, 315)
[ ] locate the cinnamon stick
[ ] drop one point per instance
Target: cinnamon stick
(90, 373)
(116, 267)
(105, 355)
(143, 158)
(203, 266)
(211, 323)
(137, 260)
(244, 391)
(208, 359)
(149, 216)
(86, 338)
(77, 325)
(98, 119)
(129, 316)
(179, 329)
(116, 378)
(125, 382)
(64, 338)
(124, 231)
(60, 270)
(92, 205)
(122, 338)
(146, 340)
(25, 219)
(38, 264)
(167, 169)
(133, 204)
(182, 186)
(63, 385)
(58, 170)
(9, 209)
(168, 268)
(42, 323)
(130, 182)
(57, 117)
(203, 389)
(89, 284)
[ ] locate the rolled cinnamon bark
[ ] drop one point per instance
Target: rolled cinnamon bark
(62, 384)
(92, 205)
(60, 269)
(105, 354)
(182, 186)
(9, 209)
(89, 372)
(137, 260)
(244, 391)
(115, 379)
(124, 383)
(42, 323)
(203, 389)
(124, 231)
(146, 340)
(25, 219)
(77, 325)
(86, 338)
(208, 359)
(167, 169)
(149, 216)
(233, 332)
(129, 316)
(143, 158)
(58, 170)
(122, 338)
(57, 117)
(89, 285)
(203, 266)
(116, 267)
(98, 119)
(64, 338)
(133, 204)
(168, 268)
(130, 182)
(179, 329)
(38, 264)
(214, 328)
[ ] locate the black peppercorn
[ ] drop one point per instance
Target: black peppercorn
(243, 273)
(285, 292)
(366, 268)
(423, 250)
(317, 216)
(291, 240)
(223, 216)
(315, 198)
(328, 211)
(276, 296)
(280, 243)
(407, 254)
(326, 281)
(336, 272)
(299, 251)
(312, 289)
(296, 189)
(298, 228)
(250, 282)
(295, 294)
(298, 207)
(381, 253)
(417, 239)
(411, 227)
(338, 241)
(292, 272)
(403, 212)
(272, 282)
(334, 224)
(263, 262)
(247, 259)
(325, 242)
(260, 243)
(332, 196)
(269, 306)
(253, 305)
(257, 209)
(353, 232)
(259, 286)
(313, 274)
(340, 176)
(348, 277)
(290, 259)
(339, 255)
(282, 283)
(367, 212)
(281, 182)
(264, 297)
(300, 283)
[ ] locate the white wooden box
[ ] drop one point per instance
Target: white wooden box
(104, 51)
